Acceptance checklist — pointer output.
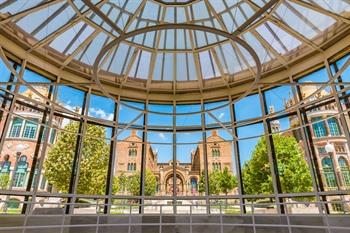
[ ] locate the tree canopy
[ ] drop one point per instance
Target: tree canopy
(219, 182)
(132, 183)
(227, 182)
(93, 164)
(4, 180)
(293, 170)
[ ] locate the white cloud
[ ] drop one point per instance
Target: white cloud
(221, 115)
(162, 136)
(70, 108)
(99, 113)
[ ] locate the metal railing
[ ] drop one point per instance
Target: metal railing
(53, 215)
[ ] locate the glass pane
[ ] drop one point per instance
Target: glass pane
(131, 113)
(160, 120)
(159, 157)
(33, 77)
(190, 176)
(222, 171)
(278, 99)
(93, 166)
(293, 170)
(101, 107)
(20, 147)
(243, 108)
(188, 119)
(127, 171)
(256, 173)
(70, 98)
(309, 90)
(58, 164)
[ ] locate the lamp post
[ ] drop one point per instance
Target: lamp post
(331, 152)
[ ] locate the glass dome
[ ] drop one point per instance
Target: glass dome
(73, 33)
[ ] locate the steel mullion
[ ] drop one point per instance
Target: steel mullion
(11, 101)
(143, 160)
(78, 154)
(37, 151)
(309, 143)
(271, 155)
(205, 156)
(237, 158)
(45, 145)
(345, 128)
(307, 150)
(174, 158)
(112, 162)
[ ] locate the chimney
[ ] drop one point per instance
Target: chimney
(214, 133)
(133, 132)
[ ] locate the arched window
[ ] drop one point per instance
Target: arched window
(132, 152)
(5, 165)
(53, 136)
(157, 185)
(21, 172)
(345, 172)
(217, 166)
(16, 128)
(131, 166)
(215, 152)
(35, 172)
(333, 126)
(194, 185)
(328, 172)
(319, 127)
(30, 130)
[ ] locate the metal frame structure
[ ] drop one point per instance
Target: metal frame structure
(301, 105)
(93, 80)
(263, 15)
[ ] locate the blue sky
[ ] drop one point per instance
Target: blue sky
(346, 74)
(276, 97)
(161, 141)
(247, 108)
(103, 108)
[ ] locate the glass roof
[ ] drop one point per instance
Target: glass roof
(78, 29)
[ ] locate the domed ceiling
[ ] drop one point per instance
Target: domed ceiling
(71, 34)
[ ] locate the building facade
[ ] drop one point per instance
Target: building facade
(325, 132)
(129, 159)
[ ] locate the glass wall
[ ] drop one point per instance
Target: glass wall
(282, 148)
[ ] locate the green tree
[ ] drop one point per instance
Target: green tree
(4, 180)
(292, 168)
(227, 182)
(219, 182)
(93, 164)
(120, 183)
(133, 184)
(214, 184)
(201, 183)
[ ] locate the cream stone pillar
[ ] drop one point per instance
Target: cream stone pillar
(161, 182)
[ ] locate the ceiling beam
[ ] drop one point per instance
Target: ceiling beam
(255, 16)
(319, 9)
(106, 19)
(33, 9)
